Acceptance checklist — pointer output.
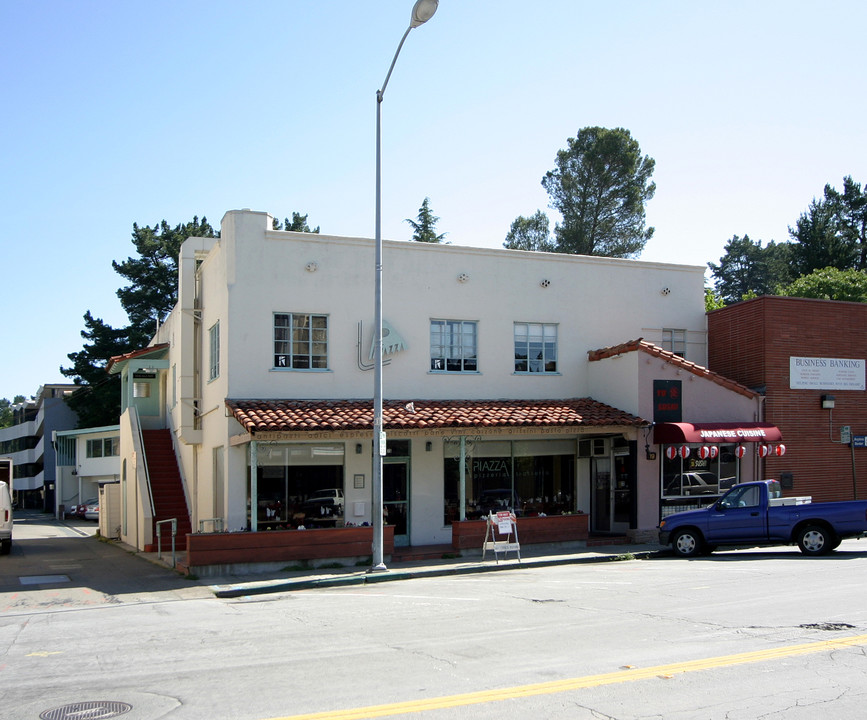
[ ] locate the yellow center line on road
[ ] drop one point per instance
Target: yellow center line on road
(588, 681)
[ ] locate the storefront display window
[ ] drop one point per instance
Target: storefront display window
(299, 486)
(694, 481)
(530, 478)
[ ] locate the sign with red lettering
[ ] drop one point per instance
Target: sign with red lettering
(667, 401)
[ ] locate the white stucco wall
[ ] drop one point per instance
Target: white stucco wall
(251, 272)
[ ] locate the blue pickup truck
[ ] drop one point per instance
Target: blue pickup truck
(755, 513)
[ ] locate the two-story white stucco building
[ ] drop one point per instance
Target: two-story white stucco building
(513, 379)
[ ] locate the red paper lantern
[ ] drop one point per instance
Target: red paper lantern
(671, 452)
(708, 451)
(684, 451)
(740, 451)
(780, 450)
(763, 450)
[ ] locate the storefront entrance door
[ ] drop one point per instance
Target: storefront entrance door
(395, 497)
(602, 502)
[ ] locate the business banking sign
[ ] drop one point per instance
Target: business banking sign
(806, 373)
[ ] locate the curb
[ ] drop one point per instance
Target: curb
(274, 586)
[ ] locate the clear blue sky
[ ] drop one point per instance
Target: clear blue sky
(122, 112)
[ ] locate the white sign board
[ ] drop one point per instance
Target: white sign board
(807, 373)
(504, 523)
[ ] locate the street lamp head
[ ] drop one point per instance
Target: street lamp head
(422, 11)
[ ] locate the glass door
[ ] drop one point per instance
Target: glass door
(395, 497)
(602, 497)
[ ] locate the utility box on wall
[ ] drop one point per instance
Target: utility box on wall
(109, 510)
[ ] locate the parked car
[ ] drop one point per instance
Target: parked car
(89, 510)
(755, 514)
(693, 483)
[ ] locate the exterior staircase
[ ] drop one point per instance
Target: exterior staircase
(167, 488)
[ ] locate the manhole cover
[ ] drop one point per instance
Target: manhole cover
(90, 710)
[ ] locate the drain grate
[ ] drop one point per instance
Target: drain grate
(89, 710)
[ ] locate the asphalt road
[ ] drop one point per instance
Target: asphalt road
(745, 634)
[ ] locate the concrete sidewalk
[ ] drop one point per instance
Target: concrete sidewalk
(47, 547)
(532, 556)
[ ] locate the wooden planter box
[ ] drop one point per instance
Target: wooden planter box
(282, 546)
(470, 534)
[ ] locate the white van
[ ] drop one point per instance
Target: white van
(5, 519)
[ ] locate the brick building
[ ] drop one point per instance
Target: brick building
(808, 359)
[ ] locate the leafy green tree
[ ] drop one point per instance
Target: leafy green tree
(153, 275)
(530, 233)
(829, 284)
(817, 242)
(6, 414)
(424, 228)
(147, 299)
(297, 224)
(850, 210)
(749, 269)
(712, 301)
(97, 401)
(600, 187)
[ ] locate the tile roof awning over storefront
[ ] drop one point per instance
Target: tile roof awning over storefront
(347, 415)
(727, 432)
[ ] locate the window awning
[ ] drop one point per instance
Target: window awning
(674, 433)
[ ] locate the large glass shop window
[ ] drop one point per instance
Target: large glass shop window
(528, 477)
(299, 486)
(693, 482)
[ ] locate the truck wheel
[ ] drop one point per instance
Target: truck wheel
(815, 540)
(5, 547)
(687, 543)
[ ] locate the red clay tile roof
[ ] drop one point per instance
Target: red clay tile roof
(670, 357)
(155, 350)
(319, 415)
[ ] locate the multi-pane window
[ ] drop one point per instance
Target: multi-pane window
(674, 341)
(300, 341)
(535, 348)
(454, 346)
(103, 447)
(214, 364)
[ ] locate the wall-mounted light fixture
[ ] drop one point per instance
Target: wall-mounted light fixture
(827, 402)
(428, 446)
(358, 448)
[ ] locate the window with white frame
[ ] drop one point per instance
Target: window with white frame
(674, 341)
(300, 341)
(214, 339)
(535, 348)
(454, 346)
(103, 447)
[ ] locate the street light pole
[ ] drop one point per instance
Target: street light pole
(422, 11)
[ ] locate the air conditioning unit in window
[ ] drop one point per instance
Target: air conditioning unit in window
(593, 447)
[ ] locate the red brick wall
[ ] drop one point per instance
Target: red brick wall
(751, 342)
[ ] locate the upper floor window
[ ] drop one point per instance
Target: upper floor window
(535, 348)
(454, 346)
(300, 341)
(674, 341)
(214, 340)
(103, 447)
